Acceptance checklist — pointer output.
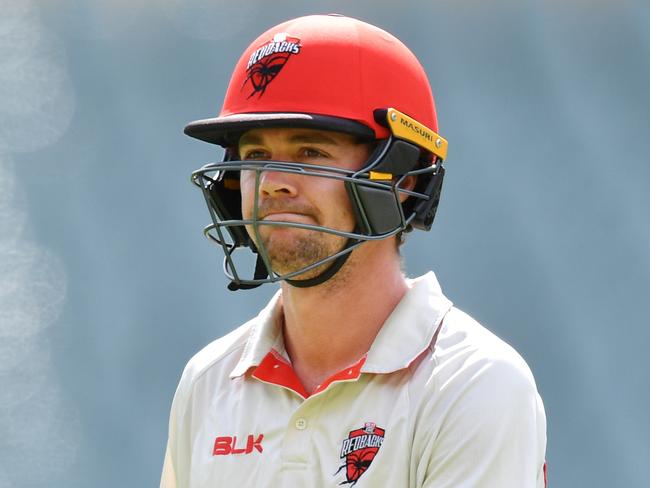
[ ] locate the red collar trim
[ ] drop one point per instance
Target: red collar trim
(276, 370)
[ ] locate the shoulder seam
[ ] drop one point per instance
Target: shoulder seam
(221, 357)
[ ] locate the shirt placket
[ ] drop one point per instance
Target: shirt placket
(297, 452)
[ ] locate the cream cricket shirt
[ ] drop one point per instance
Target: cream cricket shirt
(457, 411)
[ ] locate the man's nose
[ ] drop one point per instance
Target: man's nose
(277, 184)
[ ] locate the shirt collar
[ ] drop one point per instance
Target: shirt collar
(410, 328)
(407, 332)
(265, 335)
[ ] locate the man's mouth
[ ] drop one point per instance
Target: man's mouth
(288, 217)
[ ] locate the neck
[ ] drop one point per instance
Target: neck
(332, 325)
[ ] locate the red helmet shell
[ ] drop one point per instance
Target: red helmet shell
(322, 65)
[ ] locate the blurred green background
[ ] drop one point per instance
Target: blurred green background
(107, 286)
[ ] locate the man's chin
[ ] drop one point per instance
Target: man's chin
(291, 250)
(293, 257)
(287, 263)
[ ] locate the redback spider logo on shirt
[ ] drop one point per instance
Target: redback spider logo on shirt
(359, 450)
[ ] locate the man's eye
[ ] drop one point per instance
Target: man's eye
(313, 153)
(254, 154)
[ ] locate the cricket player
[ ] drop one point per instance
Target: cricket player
(352, 374)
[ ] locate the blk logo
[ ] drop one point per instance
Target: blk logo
(226, 445)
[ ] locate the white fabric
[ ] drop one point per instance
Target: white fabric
(463, 413)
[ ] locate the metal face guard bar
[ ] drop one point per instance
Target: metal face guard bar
(372, 179)
(215, 231)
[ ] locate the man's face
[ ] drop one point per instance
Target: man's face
(298, 198)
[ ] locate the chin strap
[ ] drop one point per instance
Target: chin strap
(261, 272)
(329, 272)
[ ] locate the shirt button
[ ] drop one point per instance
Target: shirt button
(301, 424)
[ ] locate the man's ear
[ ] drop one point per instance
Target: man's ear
(407, 184)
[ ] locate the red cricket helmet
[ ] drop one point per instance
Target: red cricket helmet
(333, 73)
(311, 70)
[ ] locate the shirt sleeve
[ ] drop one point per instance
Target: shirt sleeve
(175, 472)
(493, 429)
(168, 478)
